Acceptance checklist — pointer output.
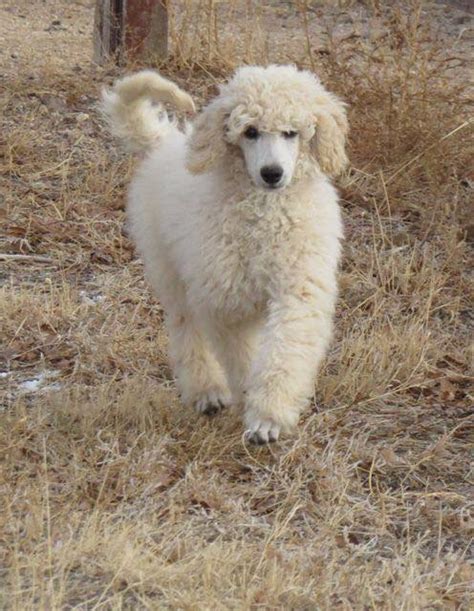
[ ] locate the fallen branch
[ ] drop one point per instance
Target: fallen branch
(35, 258)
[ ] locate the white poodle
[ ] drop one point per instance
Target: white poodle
(239, 229)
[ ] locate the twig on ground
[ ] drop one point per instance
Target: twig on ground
(17, 257)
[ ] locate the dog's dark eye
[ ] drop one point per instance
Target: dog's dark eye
(290, 134)
(251, 133)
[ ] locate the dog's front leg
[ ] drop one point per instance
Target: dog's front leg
(295, 339)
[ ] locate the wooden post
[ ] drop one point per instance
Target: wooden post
(130, 28)
(146, 29)
(108, 30)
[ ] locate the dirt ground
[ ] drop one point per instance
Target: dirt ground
(113, 495)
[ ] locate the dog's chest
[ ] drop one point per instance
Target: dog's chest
(247, 251)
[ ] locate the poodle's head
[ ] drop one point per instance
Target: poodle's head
(271, 117)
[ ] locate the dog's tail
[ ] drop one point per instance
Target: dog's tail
(135, 112)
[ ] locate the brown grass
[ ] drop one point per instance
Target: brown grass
(115, 496)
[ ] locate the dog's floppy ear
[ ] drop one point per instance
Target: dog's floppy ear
(329, 140)
(206, 144)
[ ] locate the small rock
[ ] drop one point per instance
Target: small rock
(469, 233)
(54, 102)
(462, 20)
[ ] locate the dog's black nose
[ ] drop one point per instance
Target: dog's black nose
(271, 174)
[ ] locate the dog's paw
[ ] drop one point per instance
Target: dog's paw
(262, 430)
(211, 402)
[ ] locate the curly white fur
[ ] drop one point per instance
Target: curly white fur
(246, 275)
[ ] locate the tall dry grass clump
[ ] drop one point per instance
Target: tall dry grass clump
(112, 494)
(408, 92)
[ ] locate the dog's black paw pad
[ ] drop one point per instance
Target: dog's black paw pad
(211, 402)
(211, 409)
(258, 440)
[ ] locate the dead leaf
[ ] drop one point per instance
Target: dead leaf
(100, 257)
(391, 458)
(447, 390)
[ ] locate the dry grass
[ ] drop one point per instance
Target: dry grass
(111, 496)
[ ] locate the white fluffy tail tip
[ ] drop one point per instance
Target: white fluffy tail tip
(151, 85)
(134, 108)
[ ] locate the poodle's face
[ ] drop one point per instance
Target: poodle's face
(272, 117)
(270, 157)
